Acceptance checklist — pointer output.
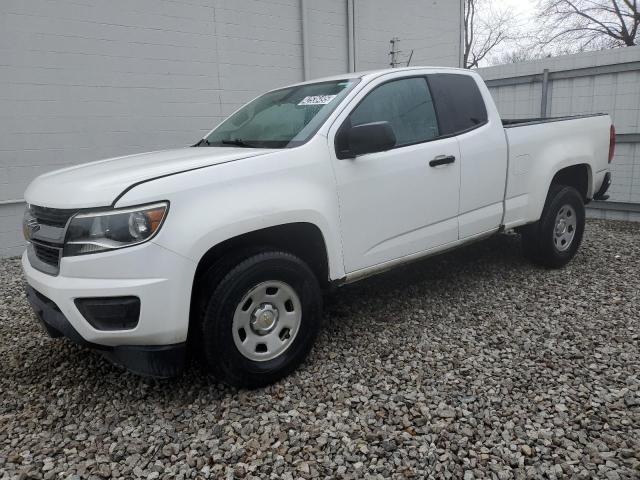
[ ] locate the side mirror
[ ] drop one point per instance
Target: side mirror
(367, 138)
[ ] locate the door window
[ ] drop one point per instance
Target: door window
(406, 104)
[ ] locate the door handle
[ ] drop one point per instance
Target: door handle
(442, 160)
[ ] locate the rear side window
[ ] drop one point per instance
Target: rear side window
(406, 104)
(458, 102)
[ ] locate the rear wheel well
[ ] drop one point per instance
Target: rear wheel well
(576, 176)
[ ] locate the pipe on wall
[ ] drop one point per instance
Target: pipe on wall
(306, 69)
(11, 202)
(462, 34)
(545, 93)
(351, 35)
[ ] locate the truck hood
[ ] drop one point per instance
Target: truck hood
(98, 184)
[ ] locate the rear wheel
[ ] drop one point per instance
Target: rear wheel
(260, 319)
(554, 240)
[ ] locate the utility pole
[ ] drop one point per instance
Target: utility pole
(395, 54)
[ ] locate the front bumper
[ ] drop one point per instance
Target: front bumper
(155, 361)
(160, 278)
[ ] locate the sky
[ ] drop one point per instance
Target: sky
(525, 11)
(524, 8)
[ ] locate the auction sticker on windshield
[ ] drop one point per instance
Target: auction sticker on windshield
(317, 99)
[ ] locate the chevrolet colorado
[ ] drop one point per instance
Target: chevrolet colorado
(224, 248)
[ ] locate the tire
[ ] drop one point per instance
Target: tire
(259, 318)
(554, 240)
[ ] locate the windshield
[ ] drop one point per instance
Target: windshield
(281, 119)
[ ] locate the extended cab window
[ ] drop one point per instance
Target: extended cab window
(406, 104)
(458, 101)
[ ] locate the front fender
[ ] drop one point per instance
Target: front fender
(214, 204)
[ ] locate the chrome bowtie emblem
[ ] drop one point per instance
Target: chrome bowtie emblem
(33, 226)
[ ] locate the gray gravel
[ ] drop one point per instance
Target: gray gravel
(470, 365)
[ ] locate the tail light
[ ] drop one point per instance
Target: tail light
(612, 142)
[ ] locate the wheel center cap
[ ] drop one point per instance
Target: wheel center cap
(264, 319)
(561, 227)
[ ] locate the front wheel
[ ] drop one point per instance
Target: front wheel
(260, 319)
(554, 240)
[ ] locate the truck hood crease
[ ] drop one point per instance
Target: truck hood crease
(98, 184)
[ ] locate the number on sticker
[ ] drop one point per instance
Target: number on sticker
(317, 99)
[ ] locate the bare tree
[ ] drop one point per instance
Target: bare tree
(589, 24)
(517, 55)
(485, 28)
(528, 53)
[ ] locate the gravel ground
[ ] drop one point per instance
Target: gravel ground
(469, 365)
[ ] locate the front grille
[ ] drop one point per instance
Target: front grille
(46, 254)
(46, 229)
(55, 217)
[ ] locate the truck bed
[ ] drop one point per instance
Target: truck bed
(544, 147)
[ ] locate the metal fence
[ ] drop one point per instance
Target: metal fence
(606, 81)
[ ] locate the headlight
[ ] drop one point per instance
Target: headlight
(103, 231)
(28, 223)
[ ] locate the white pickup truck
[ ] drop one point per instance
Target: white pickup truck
(224, 248)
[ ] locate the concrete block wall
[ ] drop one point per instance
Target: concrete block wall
(615, 93)
(606, 214)
(82, 81)
(259, 47)
(328, 37)
(11, 238)
(430, 28)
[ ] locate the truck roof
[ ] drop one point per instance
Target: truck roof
(376, 73)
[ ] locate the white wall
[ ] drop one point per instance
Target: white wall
(327, 37)
(431, 28)
(80, 81)
(615, 93)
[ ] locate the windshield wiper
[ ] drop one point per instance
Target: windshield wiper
(237, 142)
(203, 141)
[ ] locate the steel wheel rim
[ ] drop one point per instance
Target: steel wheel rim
(267, 320)
(564, 230)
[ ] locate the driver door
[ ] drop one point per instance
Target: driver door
(403, 200)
